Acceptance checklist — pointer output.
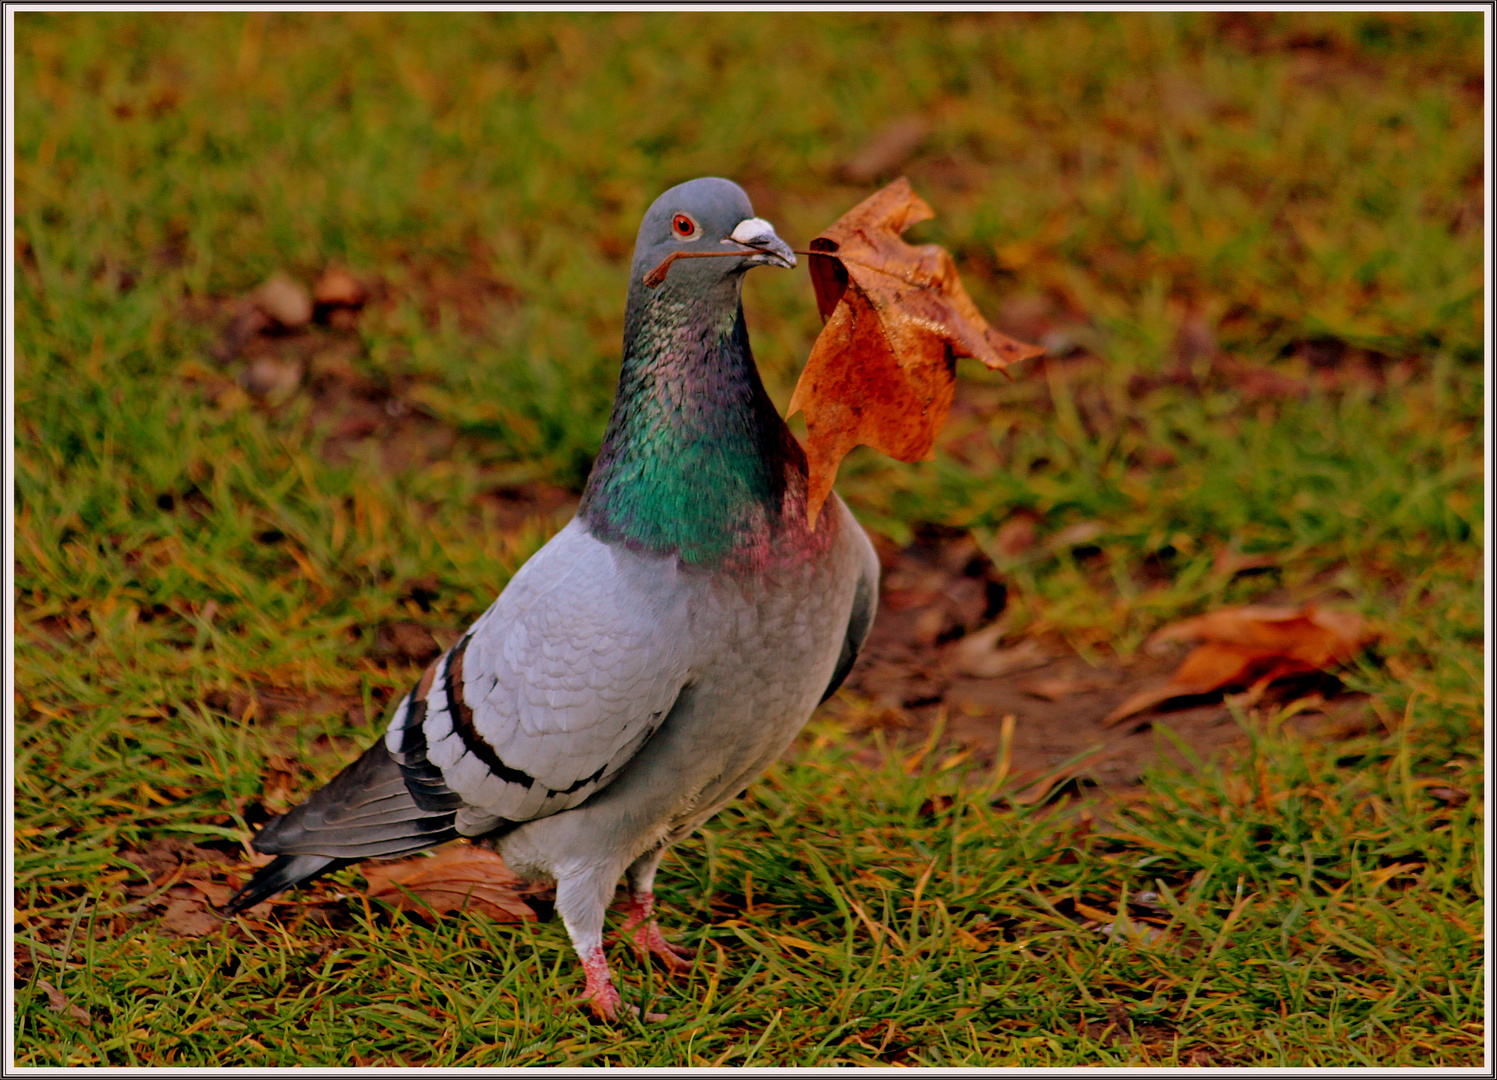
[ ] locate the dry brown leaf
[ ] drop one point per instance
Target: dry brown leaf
(1251, 646)
(338, 288)
(882, 372)
(272, 379)
(281, 780)
(214, 892)
(1451, 796)
(57, 1001)
(187, 918)
(461, 877)
(1017, 535)
(1228, 563)
(284, 300)
(977, 656)
(1059, 688)
(1074, 536)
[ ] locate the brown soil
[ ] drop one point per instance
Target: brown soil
(940, 594)
(316, 358)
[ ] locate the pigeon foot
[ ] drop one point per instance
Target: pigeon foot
(647, 937)
(602, 996)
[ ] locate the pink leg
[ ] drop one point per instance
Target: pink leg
(647, 936)
(601, 994)
(581, 900)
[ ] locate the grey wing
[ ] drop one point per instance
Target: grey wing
(860, 620)
(551, 693)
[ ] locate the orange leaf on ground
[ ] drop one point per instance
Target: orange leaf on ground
(1251, 646)
(462, 877)
(882, 372)
(188, 918)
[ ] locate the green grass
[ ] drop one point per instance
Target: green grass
(1289, 182)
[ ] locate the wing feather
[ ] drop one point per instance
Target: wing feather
(557, 686)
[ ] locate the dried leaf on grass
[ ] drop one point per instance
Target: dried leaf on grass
(1059, 688)
(279, 784)
(882, 372)
(272, 379)
(338, 288)
(188, 918)
(978, 656)
(57, 1001)
(461, 877)
(214, 892)
(284, 300)
(1251, 647)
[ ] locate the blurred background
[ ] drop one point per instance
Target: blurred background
(318, 319)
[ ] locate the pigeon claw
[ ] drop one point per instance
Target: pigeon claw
(607, 1007)
(647, 937)
(601, 996)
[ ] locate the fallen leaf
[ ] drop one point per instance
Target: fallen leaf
(156, 858)
(405, 641)
(280, 781)
(1074, 536)
(338, 288)
(58, 1002)
(284, 301)
(188, 918)
(1016, 535)
(1256, 382)
(930, 626)
(1251, 646)
(882, 372)
(213, 892)
(1228, 563)
(977, 657)
(247, 322)
(1450, 796)
(936, 805)
(461, 877)
(1058, 689)
(272, 379)
(1139, 932)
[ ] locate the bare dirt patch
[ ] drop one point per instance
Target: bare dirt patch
(936, 655)
(281, 343)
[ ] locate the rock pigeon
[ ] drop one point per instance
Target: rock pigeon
(652, 658)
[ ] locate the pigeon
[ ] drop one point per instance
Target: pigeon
(655, 656)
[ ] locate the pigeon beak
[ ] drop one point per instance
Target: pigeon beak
(769, 249)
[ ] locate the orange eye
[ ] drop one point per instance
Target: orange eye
(683, 226)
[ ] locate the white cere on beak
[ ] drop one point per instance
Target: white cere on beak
(752, 230)
(768, 248)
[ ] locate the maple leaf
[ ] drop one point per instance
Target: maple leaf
(1251, 646)
(460, 877)
(882, 372)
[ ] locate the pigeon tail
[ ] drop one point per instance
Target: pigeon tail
(284, 872)
(366, 812)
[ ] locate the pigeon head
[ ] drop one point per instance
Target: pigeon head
(696, 459)
(706, 215)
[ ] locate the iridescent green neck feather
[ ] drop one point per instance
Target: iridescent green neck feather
(696, 460)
